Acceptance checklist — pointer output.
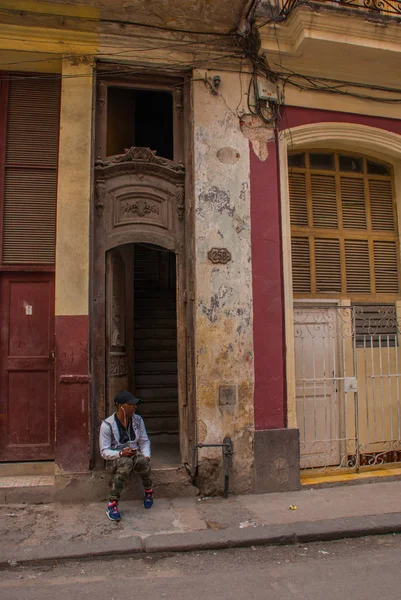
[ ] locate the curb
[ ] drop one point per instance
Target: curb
(232, 537)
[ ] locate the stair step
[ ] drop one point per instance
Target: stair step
(157, 344)
(149, 379)
(162, 424)
(157, 355)
(155, 391)
(155, 333)
(151, 322)
(155, 303)
(161, 366)
(155, 314)
(159, 405)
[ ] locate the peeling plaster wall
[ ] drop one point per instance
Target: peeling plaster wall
(224, 341)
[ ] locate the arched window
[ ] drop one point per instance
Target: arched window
(343, 227)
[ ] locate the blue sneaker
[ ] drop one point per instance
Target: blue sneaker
(112, 511)
(148, 499)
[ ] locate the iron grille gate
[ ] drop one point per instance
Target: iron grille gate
(347, 361)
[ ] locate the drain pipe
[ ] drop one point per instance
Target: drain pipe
(227, 451)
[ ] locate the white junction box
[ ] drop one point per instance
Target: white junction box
(266, 90)
(350, 384)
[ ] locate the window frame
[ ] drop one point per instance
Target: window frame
(342, 233)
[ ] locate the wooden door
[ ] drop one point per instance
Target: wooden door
(117, 327)
(317, 390)
(26, 367)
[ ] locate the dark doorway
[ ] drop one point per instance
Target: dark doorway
(155, 342)
(142, 118)
(143, 328)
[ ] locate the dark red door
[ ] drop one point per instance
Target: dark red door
(26, 366)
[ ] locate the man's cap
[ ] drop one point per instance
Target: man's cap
(126, 398)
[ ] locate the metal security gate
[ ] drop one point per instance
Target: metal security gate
(348, 389)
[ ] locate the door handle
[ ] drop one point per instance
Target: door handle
(53, 355)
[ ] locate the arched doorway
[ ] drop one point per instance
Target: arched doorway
(349, 318)
(141, 319)
(141, 340)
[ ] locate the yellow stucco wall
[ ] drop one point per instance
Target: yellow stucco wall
(74, 186)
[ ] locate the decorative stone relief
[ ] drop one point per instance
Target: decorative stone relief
(180, 197)
(140, 207)
(118, 365)
(219, 256)
(100, 196)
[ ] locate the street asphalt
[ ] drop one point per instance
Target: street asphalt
(363, 569)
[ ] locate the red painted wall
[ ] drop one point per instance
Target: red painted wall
(72, 393)
(294, 116)
(268, 313)
(268, 299)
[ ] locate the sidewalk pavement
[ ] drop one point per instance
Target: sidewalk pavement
(37, 533)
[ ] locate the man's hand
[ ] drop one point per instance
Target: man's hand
(147, 458)
(127, 452)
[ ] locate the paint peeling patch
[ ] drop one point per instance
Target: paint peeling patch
(258, 133)
(217, 303)
(202, 431)
(244, 193)
(220, 201)
(240, 224)
(228, 156)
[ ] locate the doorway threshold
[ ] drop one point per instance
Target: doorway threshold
(27, 469)
(165, 451)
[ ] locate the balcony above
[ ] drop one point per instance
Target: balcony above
(366, 8)
(355, 41)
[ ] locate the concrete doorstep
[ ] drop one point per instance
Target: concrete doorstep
(48, 533)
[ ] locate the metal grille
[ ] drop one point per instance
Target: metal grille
(348, 369)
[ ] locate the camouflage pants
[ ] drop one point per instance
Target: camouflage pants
(121, 469)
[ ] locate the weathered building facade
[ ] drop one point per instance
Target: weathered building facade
(126, 235)
(188, 191)
(337, 147)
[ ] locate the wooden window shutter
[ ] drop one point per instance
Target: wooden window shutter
(298, 199)
(324, 201)
(301, 274)
(353, 203)
(386, 267)
(30, 179)
(381, 205)
(357, 266)
(328, 266)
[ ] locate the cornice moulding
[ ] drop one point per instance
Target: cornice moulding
(43, 39)
(359, 136)
(305, 23)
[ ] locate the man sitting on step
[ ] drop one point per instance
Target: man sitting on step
(125, 445)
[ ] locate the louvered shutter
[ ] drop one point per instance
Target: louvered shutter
(324, 201)
(298, 205)
(381, 205)
(351, 244)
(386, 267)
(353, 203)
(357, 266)
(30, 177)
(301, 274)
(328, 266)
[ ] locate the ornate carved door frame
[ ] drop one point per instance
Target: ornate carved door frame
(140, 197)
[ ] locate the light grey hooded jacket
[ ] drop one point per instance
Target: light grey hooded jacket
(109, 438)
